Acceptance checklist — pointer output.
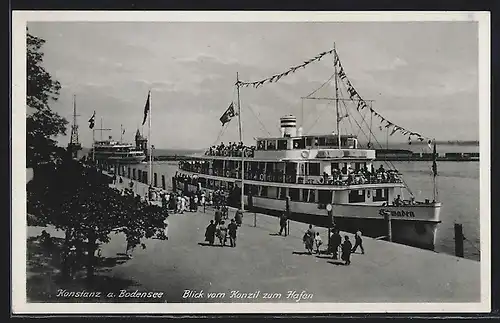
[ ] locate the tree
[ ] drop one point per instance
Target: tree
(42, 124)
(78, 200)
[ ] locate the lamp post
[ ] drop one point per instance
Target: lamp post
(329, 209)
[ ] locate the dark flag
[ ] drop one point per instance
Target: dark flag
(146, 109)
(92, 121)
(434, 164)
(228, 115)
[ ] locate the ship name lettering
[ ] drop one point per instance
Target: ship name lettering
(397, 213)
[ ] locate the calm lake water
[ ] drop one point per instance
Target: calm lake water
(458, 190)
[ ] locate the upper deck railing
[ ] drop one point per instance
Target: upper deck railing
(338, 177)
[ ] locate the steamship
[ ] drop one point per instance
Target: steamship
(310, 172)
(117, 152)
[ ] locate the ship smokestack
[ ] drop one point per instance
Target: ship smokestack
(288, 126)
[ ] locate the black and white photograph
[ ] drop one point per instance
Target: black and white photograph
(250, 162)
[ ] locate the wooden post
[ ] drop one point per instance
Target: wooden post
(389, 227)
(330, 225)
(250, 206)
(288, 215)
(459, 241)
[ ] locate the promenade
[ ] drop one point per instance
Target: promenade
(266, 262)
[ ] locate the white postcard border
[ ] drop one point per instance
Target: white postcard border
(19, 302)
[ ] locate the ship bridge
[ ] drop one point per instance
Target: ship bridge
(292, 145)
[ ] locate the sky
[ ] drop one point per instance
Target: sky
(422, 76)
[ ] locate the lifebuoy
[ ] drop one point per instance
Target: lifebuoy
(321, 180)
(304, 154)
(261, 177)
(227, 173)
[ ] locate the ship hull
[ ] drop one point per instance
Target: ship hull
(412, 225)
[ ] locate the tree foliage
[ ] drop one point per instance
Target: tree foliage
(77, 199)
(42, 124)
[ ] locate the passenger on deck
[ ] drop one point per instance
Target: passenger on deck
(397, 201)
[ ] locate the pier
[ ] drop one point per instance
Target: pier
(266, 262)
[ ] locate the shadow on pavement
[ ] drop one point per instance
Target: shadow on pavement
(206, 244)
(45, 283)
(337, 263)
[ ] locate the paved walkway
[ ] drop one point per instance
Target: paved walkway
(265, 262)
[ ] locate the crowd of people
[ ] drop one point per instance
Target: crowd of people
(313, 241)
(232, 149)
(338, 177)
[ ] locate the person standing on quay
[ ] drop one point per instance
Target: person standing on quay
(210, 232)
(232, 227)
(283, 221)
(346, 251)
(336, 242)
(318, 242)
(238, 217)
(358, 242)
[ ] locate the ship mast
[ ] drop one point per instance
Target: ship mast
(241, 140)
(336, 95)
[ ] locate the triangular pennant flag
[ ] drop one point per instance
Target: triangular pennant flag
(429, 143)
(394, 130)
(341, 73)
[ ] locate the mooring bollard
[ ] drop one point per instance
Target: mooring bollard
(459, 241)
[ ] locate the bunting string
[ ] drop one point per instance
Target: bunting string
(353, 94)
(277, 77)
(361, 104)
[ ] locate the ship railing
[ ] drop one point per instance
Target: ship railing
(343, 180)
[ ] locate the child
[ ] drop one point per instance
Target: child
(318, 242)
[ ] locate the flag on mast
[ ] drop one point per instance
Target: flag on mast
(434, 164)
(92, 121)
(228, 114)
(146, 109)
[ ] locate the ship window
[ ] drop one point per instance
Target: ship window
(282, 145)
(356, 196)
(294, 194)
(263, 191)
(272, 192)
(309, 141)
(305, 195)
(271, 145)
(312, 196)
(357, 167)
(261, 145)
(381, 195)
(321, 141)
(331, 141)
(314, 169)
(299, 143)
(282, 195)
(324, 197)
(335, 166)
